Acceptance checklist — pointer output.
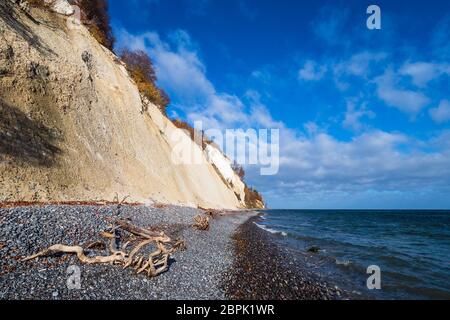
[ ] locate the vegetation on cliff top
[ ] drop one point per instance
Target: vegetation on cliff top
(141, 69)
(198, 137)
(94, 14)
(253, 199)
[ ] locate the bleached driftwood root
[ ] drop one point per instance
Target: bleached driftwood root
(201, 222)
(152, 264)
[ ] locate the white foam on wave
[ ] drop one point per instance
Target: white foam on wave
(342, 262)
(273, 231)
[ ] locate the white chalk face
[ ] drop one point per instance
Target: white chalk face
(246, 147)
(74, 19)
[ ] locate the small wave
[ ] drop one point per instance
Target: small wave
(342, 262)
(273, 231)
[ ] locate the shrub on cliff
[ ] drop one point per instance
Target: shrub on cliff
(203, 140)
(143, 73)
(253, 198)
(239, 170)
(35, 3)
(94, 14)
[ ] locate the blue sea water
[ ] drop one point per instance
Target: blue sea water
(412, 248)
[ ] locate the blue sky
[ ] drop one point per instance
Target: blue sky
(364, 115)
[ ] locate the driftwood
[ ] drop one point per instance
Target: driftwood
(152, 264)
(142, 232)
(213, 213)
(201, 222)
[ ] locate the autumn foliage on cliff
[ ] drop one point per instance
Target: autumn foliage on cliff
(239, 170)
(143, 73)
(94, 14)
(195, 135)
(253, 198)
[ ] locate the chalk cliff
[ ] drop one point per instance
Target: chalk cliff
(73, 126)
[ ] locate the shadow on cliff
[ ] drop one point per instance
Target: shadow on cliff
(25, 140)
(13, 20)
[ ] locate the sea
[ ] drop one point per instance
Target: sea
(406, 254)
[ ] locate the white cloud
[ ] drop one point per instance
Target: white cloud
(324, 167)
(359, 64)
(263, 76)
(311, 71)
(311, 128)
(220, 111)
(424, 72)
(259, 113)
(441, 114)
(392, 94)
(354, 115)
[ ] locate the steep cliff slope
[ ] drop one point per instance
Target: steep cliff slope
(72, 126)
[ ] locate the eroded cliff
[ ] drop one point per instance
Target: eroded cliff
(73, 126)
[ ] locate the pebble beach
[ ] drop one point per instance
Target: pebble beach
(234, 259)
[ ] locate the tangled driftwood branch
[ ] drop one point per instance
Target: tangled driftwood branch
(213, 213)
(152, 264)
(201, 222)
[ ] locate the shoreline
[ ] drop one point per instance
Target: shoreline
(263, 270)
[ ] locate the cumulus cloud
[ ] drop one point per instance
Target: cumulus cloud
(354, 114)
(392, 85)
(408, 101)
(441, 114)
(311, 71)
(424, 72)
(324, 167)
(359, 64)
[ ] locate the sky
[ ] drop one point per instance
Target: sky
(364, 115)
